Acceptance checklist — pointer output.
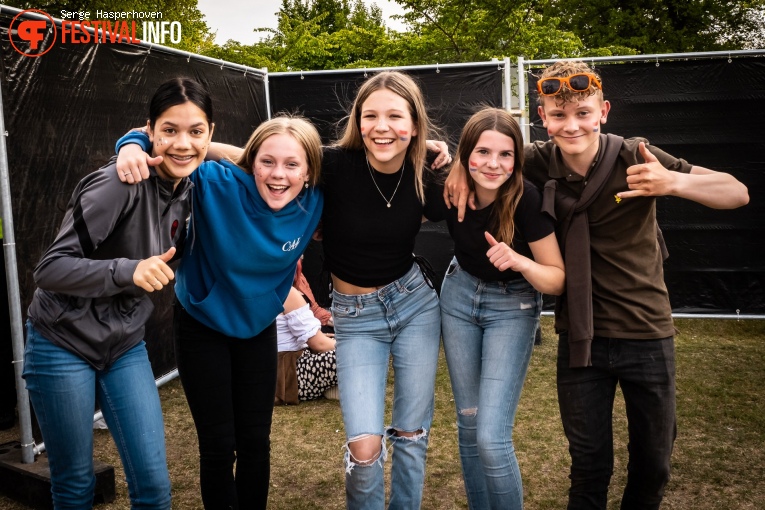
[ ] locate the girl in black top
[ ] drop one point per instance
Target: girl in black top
(506, 254)
(375, 183)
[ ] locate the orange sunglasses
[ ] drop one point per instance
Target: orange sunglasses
(576, 83)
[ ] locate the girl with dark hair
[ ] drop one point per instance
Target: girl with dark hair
(252, 218)
(87, 318)
(506, 255)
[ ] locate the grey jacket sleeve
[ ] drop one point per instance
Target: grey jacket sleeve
(97, 205)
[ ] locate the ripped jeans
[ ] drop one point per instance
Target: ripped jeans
(402, 321)
(488, 330)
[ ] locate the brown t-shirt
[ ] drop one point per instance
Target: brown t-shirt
(629, 297)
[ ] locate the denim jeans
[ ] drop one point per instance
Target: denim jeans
(645, 371)
(64, 390)
(230, 385)
(488, 330)
(402, 321)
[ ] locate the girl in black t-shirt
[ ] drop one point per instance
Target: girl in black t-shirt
(376, 197)
(506, 255)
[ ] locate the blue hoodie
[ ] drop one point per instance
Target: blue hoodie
(240, 257)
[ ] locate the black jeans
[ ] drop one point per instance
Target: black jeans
(230, 385)
(645, 371)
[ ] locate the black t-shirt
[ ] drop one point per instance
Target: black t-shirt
(367, 243)
(470, 245)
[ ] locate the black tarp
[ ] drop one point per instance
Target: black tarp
(64, 112)
(452, 94)
(708, 112)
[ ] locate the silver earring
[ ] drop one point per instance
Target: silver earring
(306, 184)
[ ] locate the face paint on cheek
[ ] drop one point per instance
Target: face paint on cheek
(596, 127)
(363, 134)
(472, 166)
(550, 133)
(403, 135)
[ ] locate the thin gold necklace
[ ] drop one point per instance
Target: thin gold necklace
(372, 175)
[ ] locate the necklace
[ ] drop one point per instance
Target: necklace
(372, 175)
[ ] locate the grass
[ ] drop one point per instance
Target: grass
(718, 462)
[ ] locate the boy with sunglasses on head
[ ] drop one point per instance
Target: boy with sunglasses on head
(614, 320)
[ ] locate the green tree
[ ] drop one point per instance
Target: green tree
(478, 30)
(319, 34)
(662, 26)
(196, 34)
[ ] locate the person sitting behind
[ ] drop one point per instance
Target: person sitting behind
(307, 364)
(301, 283)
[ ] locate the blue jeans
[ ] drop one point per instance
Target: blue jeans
(402, 321)
(64, 390)
(645, 371)
(488, 330)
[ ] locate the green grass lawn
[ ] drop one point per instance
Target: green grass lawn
(718, 462)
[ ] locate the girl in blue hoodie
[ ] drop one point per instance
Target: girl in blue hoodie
(251, 220)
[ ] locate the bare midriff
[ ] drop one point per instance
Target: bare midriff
(352, 290)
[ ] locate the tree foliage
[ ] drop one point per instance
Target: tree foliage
(662, 26)
(477, 30)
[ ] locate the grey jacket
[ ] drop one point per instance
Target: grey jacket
(86, 301)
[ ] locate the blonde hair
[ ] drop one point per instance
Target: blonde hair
(509, 193)
(563, 69)
(298, 128)
(405, 87)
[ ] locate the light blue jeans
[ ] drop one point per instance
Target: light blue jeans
(402, 321)
(64, 390)
(488, 330)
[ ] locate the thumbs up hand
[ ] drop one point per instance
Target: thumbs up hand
(503, 257)
(153, 273)
(649, 179)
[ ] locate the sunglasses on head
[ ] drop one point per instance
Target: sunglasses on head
(580, 82)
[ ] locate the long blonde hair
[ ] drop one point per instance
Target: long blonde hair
(509, 193)
(405, 87)
(298, 128)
